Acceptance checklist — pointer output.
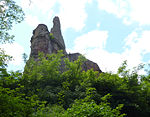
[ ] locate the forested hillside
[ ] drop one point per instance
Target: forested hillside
(43, 90)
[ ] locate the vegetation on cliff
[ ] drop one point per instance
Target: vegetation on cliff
(42, 90)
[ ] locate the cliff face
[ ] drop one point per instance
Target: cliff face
(50, 42)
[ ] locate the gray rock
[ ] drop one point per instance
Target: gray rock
(56, 31)
(40, 41)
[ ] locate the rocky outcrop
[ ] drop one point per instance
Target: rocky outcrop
(40, 41)
(51, 42)
(58, 38)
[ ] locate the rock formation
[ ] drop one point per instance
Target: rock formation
(58, 38)
(40, 41)
(50, 42)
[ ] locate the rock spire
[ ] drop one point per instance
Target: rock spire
(56, 31)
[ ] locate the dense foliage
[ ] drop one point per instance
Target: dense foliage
(45, 89)
(9, 13)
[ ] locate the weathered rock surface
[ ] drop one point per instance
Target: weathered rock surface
(40, 41)
(56, 31)
(51, 42)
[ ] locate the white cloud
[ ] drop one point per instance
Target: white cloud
(25, 4)
(91, 40)
(140, 11)
(131, 39)
(98, 24)
(32, 20)
(15, 50)
(126, 21)
(117, 7)
(43, 6)
(37, 11)
(136, 46)
(139, 42)
(106, 61)
(130, 10)
(72, 14)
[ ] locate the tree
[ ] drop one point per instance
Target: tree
(10, 13)
(24, 56)
(87, 107)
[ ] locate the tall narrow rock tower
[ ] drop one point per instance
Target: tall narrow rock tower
(56, 31)
(50, 42)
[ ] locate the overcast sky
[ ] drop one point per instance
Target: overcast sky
(105, 31)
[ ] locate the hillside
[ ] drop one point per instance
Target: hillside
(57, 84)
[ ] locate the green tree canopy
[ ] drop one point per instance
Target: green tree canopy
(10, 13)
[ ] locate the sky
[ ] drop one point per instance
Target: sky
(104, 31)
